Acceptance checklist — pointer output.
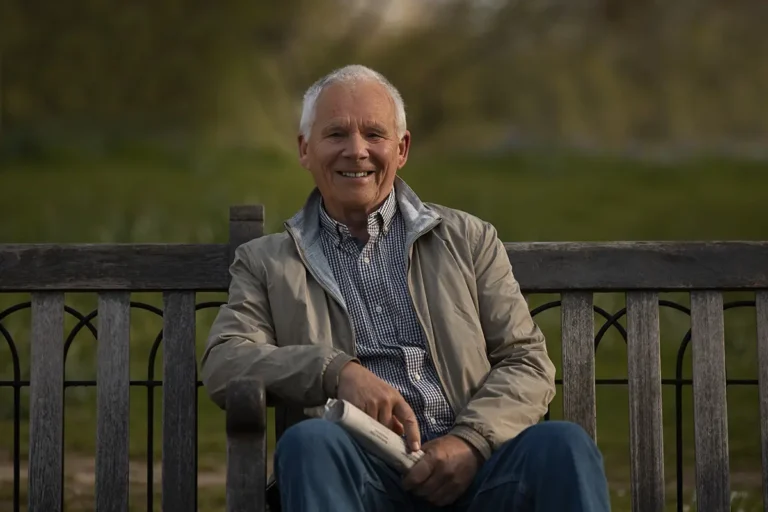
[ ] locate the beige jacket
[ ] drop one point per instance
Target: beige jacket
(286, 321)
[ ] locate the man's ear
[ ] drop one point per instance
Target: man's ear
(403, 147)
(303, 149)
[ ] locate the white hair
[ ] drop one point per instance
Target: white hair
(349, 74)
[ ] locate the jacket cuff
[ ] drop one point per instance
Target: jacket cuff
(332, 372)
(474, 438)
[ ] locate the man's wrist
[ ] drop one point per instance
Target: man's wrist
(473, 439)
(332, 373)
(472, 449)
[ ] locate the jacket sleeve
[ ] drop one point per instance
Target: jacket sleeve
(242, 343)
(521, 382)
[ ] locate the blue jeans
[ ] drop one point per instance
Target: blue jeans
(551, 466)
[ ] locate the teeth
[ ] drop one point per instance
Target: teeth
(355, 174)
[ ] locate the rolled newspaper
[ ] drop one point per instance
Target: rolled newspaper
(372, 435)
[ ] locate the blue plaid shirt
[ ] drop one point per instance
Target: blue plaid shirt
(389, 340)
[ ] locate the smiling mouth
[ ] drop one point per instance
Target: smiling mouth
(361, 174)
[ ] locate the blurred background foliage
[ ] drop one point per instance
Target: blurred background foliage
(599, 74)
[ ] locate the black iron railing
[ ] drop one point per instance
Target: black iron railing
(85, 322)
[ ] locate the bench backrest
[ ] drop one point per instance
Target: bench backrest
(574, 270)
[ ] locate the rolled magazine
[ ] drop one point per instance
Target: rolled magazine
(372, 435)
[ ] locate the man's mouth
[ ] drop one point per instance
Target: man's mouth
(360, 174)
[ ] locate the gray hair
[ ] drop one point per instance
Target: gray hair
(349, 74)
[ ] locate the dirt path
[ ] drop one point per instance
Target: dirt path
(81, 471)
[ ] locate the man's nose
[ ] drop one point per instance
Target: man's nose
(356, 147)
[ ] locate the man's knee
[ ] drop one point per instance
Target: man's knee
(558, 441)
(308, 437)
(560, 433)
(553, 440)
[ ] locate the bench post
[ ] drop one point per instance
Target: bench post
(246, 409)
(245, 224)
(246, 406)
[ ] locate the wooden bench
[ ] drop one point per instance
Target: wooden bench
(574, 270)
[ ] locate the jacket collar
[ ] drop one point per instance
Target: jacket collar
(379, 221)
(305, 229)
(305, 224)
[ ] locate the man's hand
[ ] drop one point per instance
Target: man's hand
(445, 471)
(380, 401)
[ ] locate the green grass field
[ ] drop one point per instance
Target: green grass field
(149, 196)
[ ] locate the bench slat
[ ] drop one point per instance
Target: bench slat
(113, 402)
(246, 445)
(645, 416)
(762, 348)
(46, 402)
(578, 328)
(709, 401)
(179, 402)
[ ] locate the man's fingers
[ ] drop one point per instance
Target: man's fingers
(437, 479)
(418, 474)
(407, 418)
(446, 494)
(371, 410)
(397, 427)
(385, 417)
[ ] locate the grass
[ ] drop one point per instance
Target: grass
(147, 196)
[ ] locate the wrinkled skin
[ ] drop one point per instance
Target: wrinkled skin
(355, 130)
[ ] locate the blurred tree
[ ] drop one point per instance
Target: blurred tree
(476, 73)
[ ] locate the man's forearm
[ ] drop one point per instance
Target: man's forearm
(304, 374)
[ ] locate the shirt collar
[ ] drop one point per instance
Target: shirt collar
(379, 221)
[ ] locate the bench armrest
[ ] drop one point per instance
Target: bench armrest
(246, 412)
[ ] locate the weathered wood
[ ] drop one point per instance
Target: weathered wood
(645, 418)
(179, 402)
(247, 212)
(46, 402)
(246, 412)
(539, 267)
(245, 224)
(135, 267)
(628, 266)
(578, 328)
(709, 401)
(762, 359)
(113, 402)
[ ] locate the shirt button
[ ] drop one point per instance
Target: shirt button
(432, 420)
(379, 309)
(366, 260)
(416, 377)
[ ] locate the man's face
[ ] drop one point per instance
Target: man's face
(353, 151)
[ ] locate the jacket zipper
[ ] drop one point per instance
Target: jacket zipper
(421, 320)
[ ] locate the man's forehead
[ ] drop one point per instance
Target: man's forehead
(345, 121)
(342, 99)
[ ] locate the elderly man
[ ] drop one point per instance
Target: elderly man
(408, 310)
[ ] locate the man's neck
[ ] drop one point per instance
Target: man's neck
(356, 220)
